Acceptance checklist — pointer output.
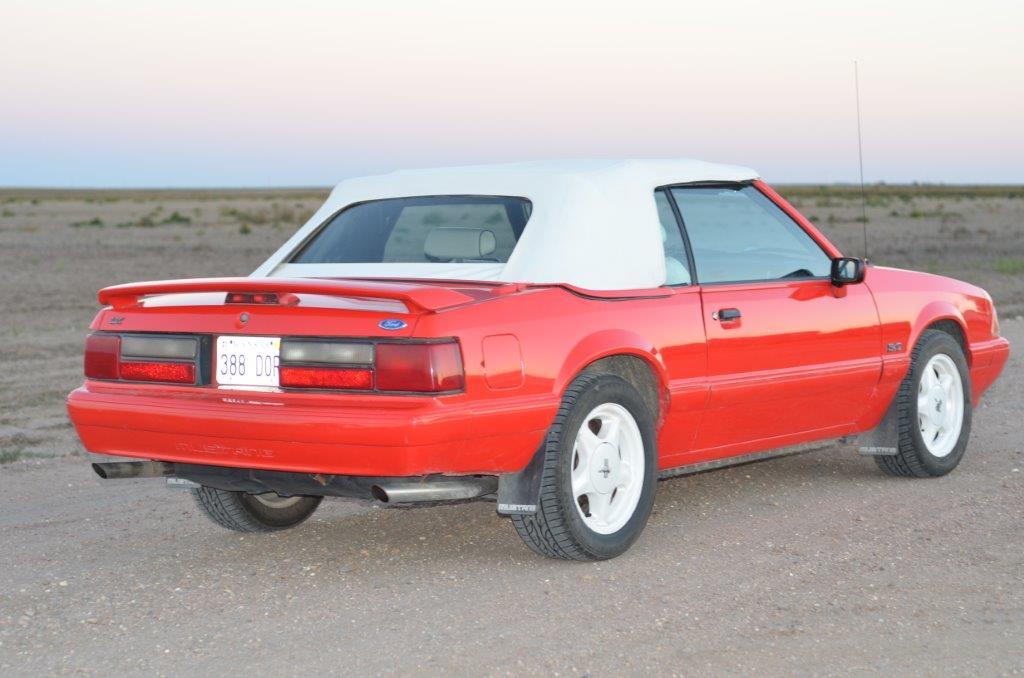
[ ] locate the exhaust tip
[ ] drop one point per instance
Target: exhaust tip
(99, 471)
(379, 493)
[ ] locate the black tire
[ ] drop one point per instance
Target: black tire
(556, 530)
(914, 460)
(243, 512)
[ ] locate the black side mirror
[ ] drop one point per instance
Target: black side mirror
(847, 271)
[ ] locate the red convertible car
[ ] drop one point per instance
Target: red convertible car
(553, 337)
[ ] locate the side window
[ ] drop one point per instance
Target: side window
(738, 235)
(676, 266)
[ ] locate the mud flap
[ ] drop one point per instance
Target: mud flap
(883, 440)
(519, 493)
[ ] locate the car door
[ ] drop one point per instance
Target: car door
(790, 357)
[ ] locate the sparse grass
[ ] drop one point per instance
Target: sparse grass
(12, 454)
(145, 221)
(837, 219)
(16, 447)
(940, 212)
(1008, 266)
(244, 229)
(95, 222)
(275, 213)
(877, 194)
(176, 217)
(7, 213)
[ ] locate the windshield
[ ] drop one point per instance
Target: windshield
(435, 229)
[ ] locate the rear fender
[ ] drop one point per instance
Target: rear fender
(608, 343)
(519, 493)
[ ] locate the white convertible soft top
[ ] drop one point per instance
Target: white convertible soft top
(594, 223)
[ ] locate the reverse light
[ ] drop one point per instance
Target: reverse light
(335, 353)
(420, 368)
(159, 347)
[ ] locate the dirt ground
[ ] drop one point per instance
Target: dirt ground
(811, 564)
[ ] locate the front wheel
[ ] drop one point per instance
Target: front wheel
(933, 409)
(243, 512)
(597, 488)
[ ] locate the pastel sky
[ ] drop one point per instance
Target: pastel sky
(253, 93)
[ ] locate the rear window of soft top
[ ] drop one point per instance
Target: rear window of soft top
(433, 229)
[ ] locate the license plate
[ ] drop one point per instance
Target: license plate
(247, 361)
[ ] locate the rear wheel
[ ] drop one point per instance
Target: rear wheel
(253, 512)
(597, 488)
(933, 409)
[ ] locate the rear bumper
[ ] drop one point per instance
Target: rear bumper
(309, 433)
(987, 362)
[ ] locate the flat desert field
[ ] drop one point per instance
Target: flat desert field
(60, 246)
(812, 564)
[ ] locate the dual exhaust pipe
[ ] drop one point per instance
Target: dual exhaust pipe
(387, 490)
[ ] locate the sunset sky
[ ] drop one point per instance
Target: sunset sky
(225, 93)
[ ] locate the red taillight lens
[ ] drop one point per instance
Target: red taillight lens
(101, 356)
(175, 373)
(419, 367)
(326, 377)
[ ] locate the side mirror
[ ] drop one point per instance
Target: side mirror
(847, 271)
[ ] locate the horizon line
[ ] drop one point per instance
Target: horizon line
(321, 187)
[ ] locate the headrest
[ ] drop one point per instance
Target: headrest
(447, 243)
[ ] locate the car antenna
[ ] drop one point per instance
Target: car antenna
(860, 158)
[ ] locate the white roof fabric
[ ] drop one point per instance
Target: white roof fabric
(594, 223)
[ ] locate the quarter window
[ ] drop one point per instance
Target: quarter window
(676, 264)
(737, 235)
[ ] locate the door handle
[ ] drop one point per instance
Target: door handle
(726, 314)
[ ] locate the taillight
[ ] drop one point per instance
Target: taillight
(323, 364)
(326, 377)
(353, 366)
(419, 367)
(101, 356)
(157, 358)
(177, 373)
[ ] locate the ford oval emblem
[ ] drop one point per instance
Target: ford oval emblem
(391, 324)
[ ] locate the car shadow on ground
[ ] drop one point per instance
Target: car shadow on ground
(370, 536)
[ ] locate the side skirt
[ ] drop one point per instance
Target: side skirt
(738, 460)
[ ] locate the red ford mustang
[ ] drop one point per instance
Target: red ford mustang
(554, 337)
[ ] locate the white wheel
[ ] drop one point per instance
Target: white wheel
(940, 405)
(933, 410)
(253, 512)
(607, 468)
(276, 501)
(600, 458)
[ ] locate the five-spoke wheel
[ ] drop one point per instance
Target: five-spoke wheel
(597, 488)
(607, 468)
(940, 404)
(933, 410)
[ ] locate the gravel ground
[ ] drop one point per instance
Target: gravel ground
(812, 564)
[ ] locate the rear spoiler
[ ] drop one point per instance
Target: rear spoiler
(418, 298)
